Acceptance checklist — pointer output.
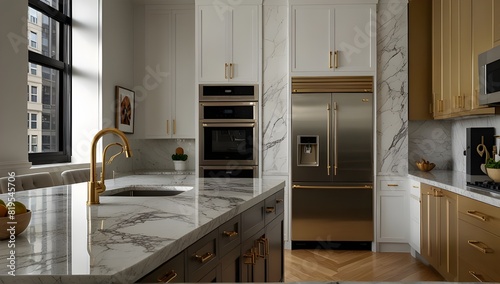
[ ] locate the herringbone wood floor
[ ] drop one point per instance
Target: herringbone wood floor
(341, 265)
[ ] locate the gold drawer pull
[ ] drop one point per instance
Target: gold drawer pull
(249, 257)
(476, 245)
(477, 215)
(475, 276)
(204, 258)
(167, 277)
(415, 186)
(230, 233)
(279, 200)
(392, 184)
(270, 209)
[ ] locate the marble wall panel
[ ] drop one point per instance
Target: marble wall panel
(430, 140)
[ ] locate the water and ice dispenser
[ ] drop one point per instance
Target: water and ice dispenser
(308, 150)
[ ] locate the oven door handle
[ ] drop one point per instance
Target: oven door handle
(228, 124)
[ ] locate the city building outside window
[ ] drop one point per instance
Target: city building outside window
(49, 99)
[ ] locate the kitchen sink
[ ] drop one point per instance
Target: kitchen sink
(153, 190)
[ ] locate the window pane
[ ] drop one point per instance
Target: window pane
(49, 29)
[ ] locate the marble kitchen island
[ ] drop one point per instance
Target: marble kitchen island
(123, 238)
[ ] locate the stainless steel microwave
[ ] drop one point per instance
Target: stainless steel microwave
(489, 77)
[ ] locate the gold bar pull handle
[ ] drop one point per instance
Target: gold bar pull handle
(204, 258)
(477, 215)
(167, 278)
(328, 139)
(230, 233)
(330, 60)
(473, 274)
(477, 245)
(393, 184)
(231, 70)
(225, 70)
(261, 247)
(249, 257)
(270, 209)
(335, 148)
(279, 200)
(336, 59)
(175, 126)
(168, 130)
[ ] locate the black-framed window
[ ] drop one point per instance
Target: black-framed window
(49, 48)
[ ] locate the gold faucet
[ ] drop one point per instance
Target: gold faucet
(94, 187)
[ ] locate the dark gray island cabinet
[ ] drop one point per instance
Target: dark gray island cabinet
(247, 248)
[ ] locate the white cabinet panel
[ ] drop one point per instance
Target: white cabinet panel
(414, 239)
(212, 44)
(392, 211)
(245, 44)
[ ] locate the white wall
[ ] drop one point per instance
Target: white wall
(13, 82)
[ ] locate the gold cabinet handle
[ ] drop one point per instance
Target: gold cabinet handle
(230, 233)
(225, 70)
(262, 247)
(168, 122)
(249, 257)
(204, 258)
(463, 101)
(336, 59)
(477, 245)
(330, 60)
(270, 209)
(475, 276)
(171, 275)
(393, 184)
(438, 193)
(416, 186)
(279, 200)
(175, 126)
(477, 215)
(231, 70)
(328, 139)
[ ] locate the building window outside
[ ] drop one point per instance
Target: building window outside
(52, 28)
(33, 39)
(34, 94)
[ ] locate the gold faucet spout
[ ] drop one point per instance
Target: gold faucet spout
(95, 187)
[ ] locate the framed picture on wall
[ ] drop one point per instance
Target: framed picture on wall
(125, 109)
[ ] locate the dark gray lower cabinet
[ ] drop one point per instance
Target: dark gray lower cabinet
(247, 248)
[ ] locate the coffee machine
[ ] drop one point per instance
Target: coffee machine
(480, 141)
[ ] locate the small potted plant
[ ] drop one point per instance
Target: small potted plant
(493, 169)
(179, 159)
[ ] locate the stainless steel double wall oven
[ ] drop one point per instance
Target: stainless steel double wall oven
(228, 131)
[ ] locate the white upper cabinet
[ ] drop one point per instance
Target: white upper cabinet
(228, 41)
(333, 38)
(169, 72)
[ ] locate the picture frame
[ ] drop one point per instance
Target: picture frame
(125, 109)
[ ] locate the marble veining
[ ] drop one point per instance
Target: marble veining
(392, 88)
(275, 90)
(455, 181)
(123, 238)
(430, 140)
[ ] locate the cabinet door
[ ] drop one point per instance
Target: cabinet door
(496, 22)
(392, 212)
(213, 43)
(448, 235)
(446, 68)
(171, 271)
(183, 123)
(230, 267)
(275, 257)
(244, 44)
(454, 55)
(354, 42)
(436, 58)
(482, 39)
(466, 91)
(415, 215)
(158, 50)
(428, 223)
(311, 38)
(253, 269)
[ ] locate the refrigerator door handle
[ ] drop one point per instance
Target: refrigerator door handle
(335, 124)
(328, 138)
(366, 186)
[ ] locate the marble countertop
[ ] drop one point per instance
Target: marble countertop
(456, 182)
(123, 238)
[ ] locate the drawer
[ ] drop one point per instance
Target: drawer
(392, 185)
(171, 271)
(468, 272)
(252, 220)
(229, 235)
(480, 247)
(483, 215)
(415, 188)
(202, 256)
(274, 205)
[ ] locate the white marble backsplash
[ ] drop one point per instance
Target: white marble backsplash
(275, 91)
(392, 88)
(430, 140)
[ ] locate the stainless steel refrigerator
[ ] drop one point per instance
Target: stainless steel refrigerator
(332, 167)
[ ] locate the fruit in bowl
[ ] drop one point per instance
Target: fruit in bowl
(425, 165)
(14, 219)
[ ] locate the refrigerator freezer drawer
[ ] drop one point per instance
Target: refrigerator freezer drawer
(332, 214)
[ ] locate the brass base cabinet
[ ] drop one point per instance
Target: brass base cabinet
(460, 237)
(247, 248)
